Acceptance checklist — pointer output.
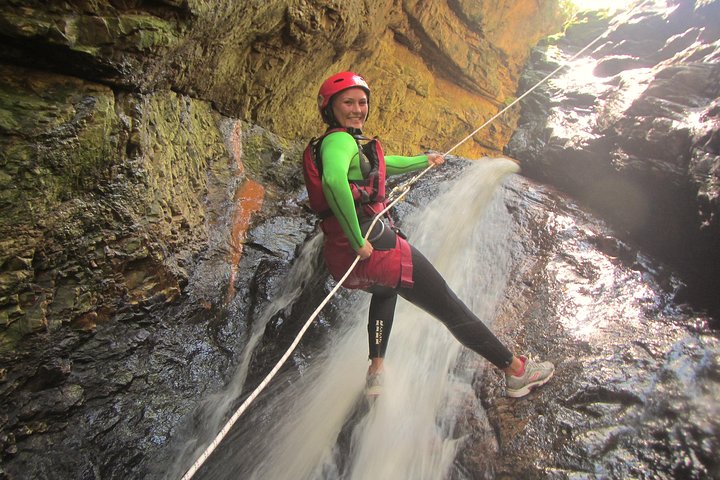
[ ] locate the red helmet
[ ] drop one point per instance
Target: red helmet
(335, 84)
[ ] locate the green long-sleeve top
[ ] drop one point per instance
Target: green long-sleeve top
(340, 163)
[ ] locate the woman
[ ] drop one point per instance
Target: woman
(346, 186)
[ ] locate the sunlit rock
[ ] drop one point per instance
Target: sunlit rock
(639, 146)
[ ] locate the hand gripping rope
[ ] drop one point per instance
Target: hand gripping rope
(401, 191)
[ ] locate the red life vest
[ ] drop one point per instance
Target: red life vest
(391, 267)
(368, 191)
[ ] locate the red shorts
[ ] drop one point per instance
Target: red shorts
(389, 268)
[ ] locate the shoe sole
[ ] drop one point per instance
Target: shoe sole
(521, 392)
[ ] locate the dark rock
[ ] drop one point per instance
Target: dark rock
(628, 383)
(48, 376)
(612, 65)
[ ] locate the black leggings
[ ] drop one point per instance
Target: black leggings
(431, 293)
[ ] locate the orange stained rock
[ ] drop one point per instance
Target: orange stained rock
(248, 201)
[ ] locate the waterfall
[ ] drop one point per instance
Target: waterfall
(318, 425)
(215, 409)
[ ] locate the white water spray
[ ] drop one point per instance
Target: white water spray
(409, 431)
(215, 408)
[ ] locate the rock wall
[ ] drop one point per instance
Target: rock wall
(103, 197)
(632, 130)
(116, 124)
(436, 67)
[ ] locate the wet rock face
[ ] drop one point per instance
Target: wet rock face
(105, 402)
(108, 403)
(94, 194)
(631, 129)
(634, 384)
(119, 177)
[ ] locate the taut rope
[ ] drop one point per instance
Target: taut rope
(403, 189)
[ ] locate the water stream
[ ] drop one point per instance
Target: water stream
(212, 414)
(317, 424)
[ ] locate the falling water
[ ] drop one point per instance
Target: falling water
(214, 410)
(318, 425)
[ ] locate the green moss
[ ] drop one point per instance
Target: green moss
(89, 33)
(148, 32)
(59, 139)
(272, 158)
(25, 26)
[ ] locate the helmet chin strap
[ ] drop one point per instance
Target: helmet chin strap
(354, 131)
(330, 118)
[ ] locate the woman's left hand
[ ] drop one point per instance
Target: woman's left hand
(435, 159)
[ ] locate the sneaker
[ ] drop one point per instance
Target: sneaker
(374, 384)
(535, 375)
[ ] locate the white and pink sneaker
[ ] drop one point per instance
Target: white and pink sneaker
(535, 375)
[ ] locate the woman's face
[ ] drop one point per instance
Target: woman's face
(350, 108)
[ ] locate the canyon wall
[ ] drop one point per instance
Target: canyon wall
(119, 119)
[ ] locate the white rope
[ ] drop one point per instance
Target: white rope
(241, 409)
(404, 188)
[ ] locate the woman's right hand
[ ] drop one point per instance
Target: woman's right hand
(365, 251)
(435, 159)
